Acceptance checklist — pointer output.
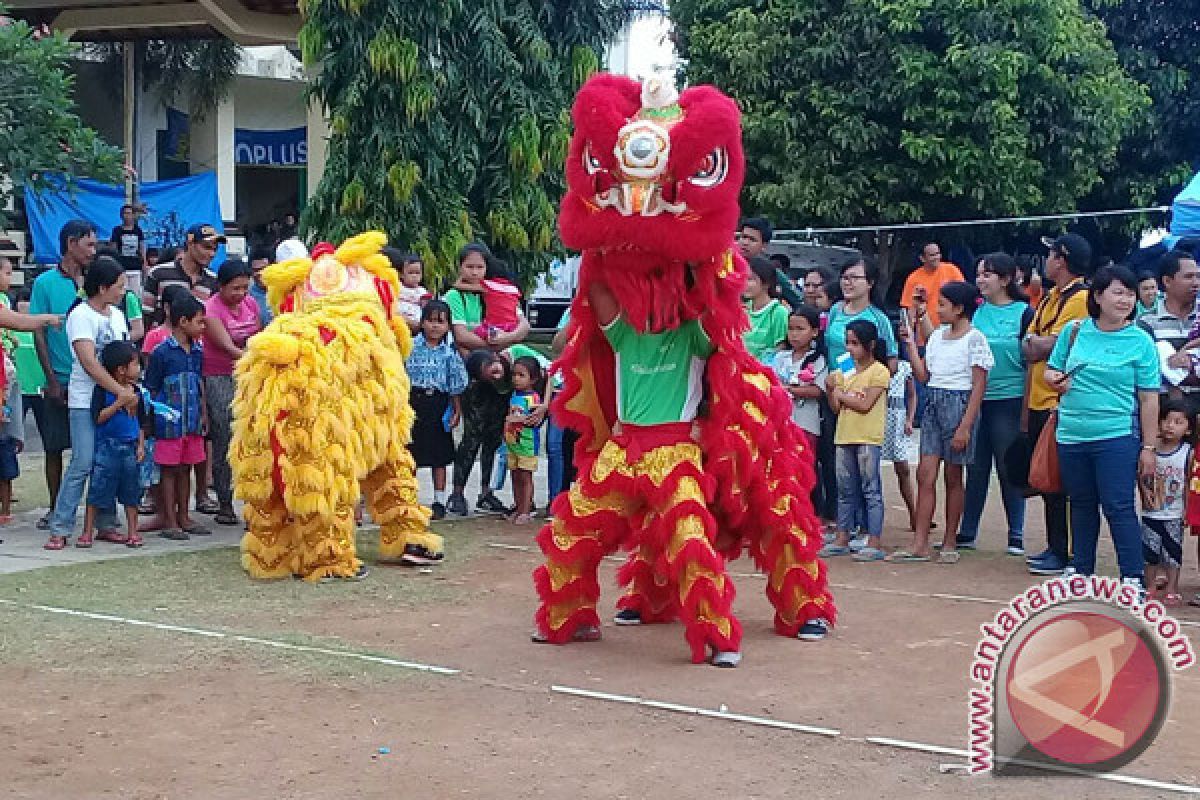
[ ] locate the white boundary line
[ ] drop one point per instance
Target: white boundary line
(881, 741)
(1114, 777)
(299, 648)
(963, 598)
(702, 712)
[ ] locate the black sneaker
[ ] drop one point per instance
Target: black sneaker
(491, 504)
(417, 555)
(814, 630)
(439, 511)
(457, 504)
(628, 616)
(1042, 556)
(1052, 565)
(361, 574)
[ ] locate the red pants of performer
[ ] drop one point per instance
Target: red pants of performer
(645, 491)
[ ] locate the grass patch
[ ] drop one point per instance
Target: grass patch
(209, 590)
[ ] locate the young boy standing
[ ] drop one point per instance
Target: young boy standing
(173, 378)
(120, 443)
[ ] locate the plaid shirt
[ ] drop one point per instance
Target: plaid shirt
(173, 378)
(439, 368)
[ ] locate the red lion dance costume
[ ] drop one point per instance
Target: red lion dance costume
(652, 200)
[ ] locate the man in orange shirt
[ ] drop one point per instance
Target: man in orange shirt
(926, 281)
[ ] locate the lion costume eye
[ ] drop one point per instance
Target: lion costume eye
(590, 162)
(712, 170)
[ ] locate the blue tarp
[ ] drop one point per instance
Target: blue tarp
(1185, 210)
(171, 207)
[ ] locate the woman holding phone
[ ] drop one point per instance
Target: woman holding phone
(1107, 371)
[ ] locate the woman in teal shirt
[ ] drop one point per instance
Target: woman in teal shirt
(1003, 318)
(858, 276)
(1106, 369)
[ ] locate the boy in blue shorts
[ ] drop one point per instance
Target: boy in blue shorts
(120, 444)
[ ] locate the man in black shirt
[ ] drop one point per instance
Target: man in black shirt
(129, 241)
(191, 270)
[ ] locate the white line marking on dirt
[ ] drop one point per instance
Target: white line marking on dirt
(299, 648)
(1114, 777)
(703, 712)
(964, 598)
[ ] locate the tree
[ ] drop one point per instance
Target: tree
(1156, 43)
(861, 112)
(202, 70)
(40, 133)
(449, 121)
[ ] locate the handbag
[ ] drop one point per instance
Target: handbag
(1044, 474)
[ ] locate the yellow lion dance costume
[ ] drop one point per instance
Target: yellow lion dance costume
(321, 413)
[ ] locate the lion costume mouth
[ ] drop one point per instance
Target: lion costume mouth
(641, 183)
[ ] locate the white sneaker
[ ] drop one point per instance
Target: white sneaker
(726, 658)
(858, 543)
(1139, 586)
(1013, 550)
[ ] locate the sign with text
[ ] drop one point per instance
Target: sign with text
(288, 148)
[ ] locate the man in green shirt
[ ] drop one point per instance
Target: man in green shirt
(659, 375)
(54, 292)
(649, 473)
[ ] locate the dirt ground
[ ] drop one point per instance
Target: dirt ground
(100, 708)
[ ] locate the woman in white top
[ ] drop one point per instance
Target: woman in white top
(90, 326)
(955, 366)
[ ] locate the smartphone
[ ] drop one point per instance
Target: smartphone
(904, 319)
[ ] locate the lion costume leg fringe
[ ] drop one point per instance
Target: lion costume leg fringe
(650, 592)
(268, 548)
(327, 545)
(392, 497)
(677, 568)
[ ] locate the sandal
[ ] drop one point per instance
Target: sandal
(905, 557)
(134, 541)
(197, 530)
(949, 557)
(55, 543)
(225, 517)
(84, 541)
(831, 550)
(113, 537)
(870, 554)
(174, 534)
(1173, 600)
(207, 506)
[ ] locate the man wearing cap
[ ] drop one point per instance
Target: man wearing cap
(191, 270)
(1068, 265)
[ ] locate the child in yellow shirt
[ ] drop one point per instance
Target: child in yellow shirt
(857, 394)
